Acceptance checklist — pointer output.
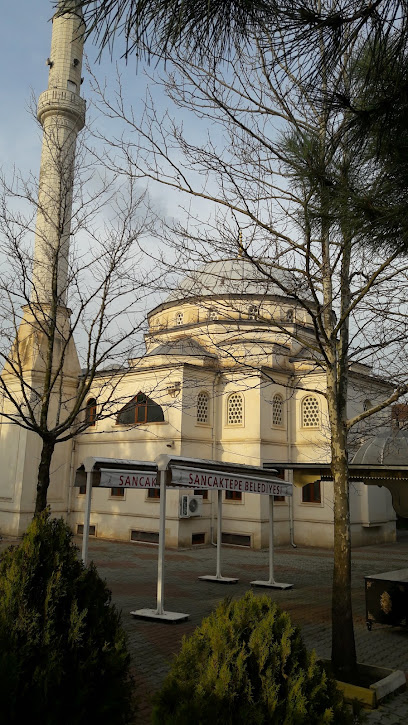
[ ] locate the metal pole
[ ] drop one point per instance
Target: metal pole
(271, 572)
(219, 534)
(85, 533)
(162, 536)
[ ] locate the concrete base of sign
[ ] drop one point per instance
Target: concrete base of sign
(152, 615)
(271, 585)
(218, 579)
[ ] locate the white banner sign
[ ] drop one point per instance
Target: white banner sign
(128, 479)
(198, 478)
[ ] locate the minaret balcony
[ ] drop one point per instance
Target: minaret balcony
(61, 100)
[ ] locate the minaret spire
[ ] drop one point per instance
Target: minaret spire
(61, 112)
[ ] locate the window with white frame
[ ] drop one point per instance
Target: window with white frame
(310, 412)
(179, 318)
(289, 315)
(212, 314)
(203, 407)
(252, 312)
(277, 410)
(235, 409)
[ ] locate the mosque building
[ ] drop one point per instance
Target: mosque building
(223, 378)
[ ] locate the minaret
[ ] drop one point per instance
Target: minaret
(43, 360)
(61, 112)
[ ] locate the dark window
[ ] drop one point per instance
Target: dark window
(117, 492)
(200, 492)
(139, 410)
(92, 530)
(146, 537)
(82, 490)
(153, 493)
(311, 493)
(280, 474)
(236, 539)
(233, 496)
(90, 411)
(197, 539)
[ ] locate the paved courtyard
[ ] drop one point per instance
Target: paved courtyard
(131, 570)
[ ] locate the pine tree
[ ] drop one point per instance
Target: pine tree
(246, 663)
(63, 652)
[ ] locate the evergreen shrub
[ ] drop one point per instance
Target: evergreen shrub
(63, 652)
(246, 663)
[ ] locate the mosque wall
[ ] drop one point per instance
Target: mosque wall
(216, 398)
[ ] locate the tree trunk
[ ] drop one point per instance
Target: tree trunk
(43, 481)
(343, 644)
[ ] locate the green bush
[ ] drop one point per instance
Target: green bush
(246, 663)
(63, 653)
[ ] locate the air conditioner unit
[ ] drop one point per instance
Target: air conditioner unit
(190, 506)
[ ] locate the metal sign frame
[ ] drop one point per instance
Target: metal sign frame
(201, 474)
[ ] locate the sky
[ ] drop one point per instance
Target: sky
(25, 41)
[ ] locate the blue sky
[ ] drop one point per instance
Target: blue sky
(25, 41)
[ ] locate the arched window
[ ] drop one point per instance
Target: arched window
(139, 410)
(90, 412)
(310, 412)
(367, 404)
(277, 410)
(203, 406)
(235, 409)
(289, 315)
(179, 318)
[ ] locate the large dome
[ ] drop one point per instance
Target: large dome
(236, 276)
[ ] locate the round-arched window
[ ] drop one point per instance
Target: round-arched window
(277, 410)
(310, 412)
(90, 412)
(203, 406)
(235, 409)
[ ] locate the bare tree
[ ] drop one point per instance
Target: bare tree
(283, 168)
(315, 37)
(51, 354)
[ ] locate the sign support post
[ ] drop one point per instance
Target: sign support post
(159, 613)
(218, 577)
(162, 538)
(271, 583)
(87, 516)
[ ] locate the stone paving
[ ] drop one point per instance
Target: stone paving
(131, 570)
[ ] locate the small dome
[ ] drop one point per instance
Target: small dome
(235, 277)
(389, 447)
